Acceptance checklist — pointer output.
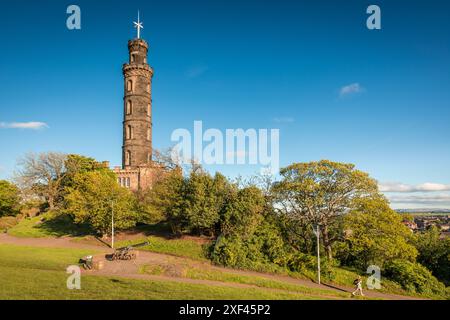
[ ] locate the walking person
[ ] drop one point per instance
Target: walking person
(358, 284)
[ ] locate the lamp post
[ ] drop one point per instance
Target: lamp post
(317, 233)
(112, 224)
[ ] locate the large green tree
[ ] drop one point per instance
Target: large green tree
(9, 199)
(375, 235)
(95, 196)
(166, 201)
(321, 192)
(205, 197)
(250, 237)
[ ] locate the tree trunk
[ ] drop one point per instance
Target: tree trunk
(326, 242)
(51, 203)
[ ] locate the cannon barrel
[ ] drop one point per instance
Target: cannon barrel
(142, 244)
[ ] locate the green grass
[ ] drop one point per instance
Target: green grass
(178, 247)
(54, 225)
(39, 273)
(40, 258)
(49, 224)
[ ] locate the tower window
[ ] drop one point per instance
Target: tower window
(129, 133)
(149, 134)
(128, 158)
(149, 109)
(128, 182)
(148, 87)
(129, 85)
(129, 107)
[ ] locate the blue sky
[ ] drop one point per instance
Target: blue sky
(336, 90)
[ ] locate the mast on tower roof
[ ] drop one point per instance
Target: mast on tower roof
(138, 25)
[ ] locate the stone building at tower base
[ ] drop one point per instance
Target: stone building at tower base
(140, 178)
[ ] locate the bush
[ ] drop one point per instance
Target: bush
(414, 277)
(8, 222)
(434, 253)
(264, 250)
(9, 199)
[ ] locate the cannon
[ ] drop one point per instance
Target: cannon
(86, 262)
(126, 253)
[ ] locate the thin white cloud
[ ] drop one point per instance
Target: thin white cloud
(32, 125)
(424, 187)
(196, 71)
(284, 120)
(350, 89)
(428, 199)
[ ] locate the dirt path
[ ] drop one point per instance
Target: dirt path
(131, 269)
(50, 242)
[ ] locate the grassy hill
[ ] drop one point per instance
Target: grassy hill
(39, 273)
(26, 269)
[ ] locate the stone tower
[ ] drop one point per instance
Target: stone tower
(138, 171)
(137, 122)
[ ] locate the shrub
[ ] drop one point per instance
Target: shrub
(414, 277)
(8, 222)
(9, 199)
(434, 253)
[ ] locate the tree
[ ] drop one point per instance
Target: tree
(434, 253)
(93, 197)
(42, 174)
(9, 199)
(205, 197)
(375, 235)
(242, 212)
(321, 192)
(250, 237)
(166, 201)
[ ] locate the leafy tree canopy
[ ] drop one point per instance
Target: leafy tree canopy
(94, 197)
(9, 199)
(375, 234)
(320, 192)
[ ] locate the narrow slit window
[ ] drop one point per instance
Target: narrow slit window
(129, 107)
(129, 133)
(128, 158)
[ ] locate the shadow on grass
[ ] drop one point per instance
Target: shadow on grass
(161, 229)
(334, 287)
(63, 225)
